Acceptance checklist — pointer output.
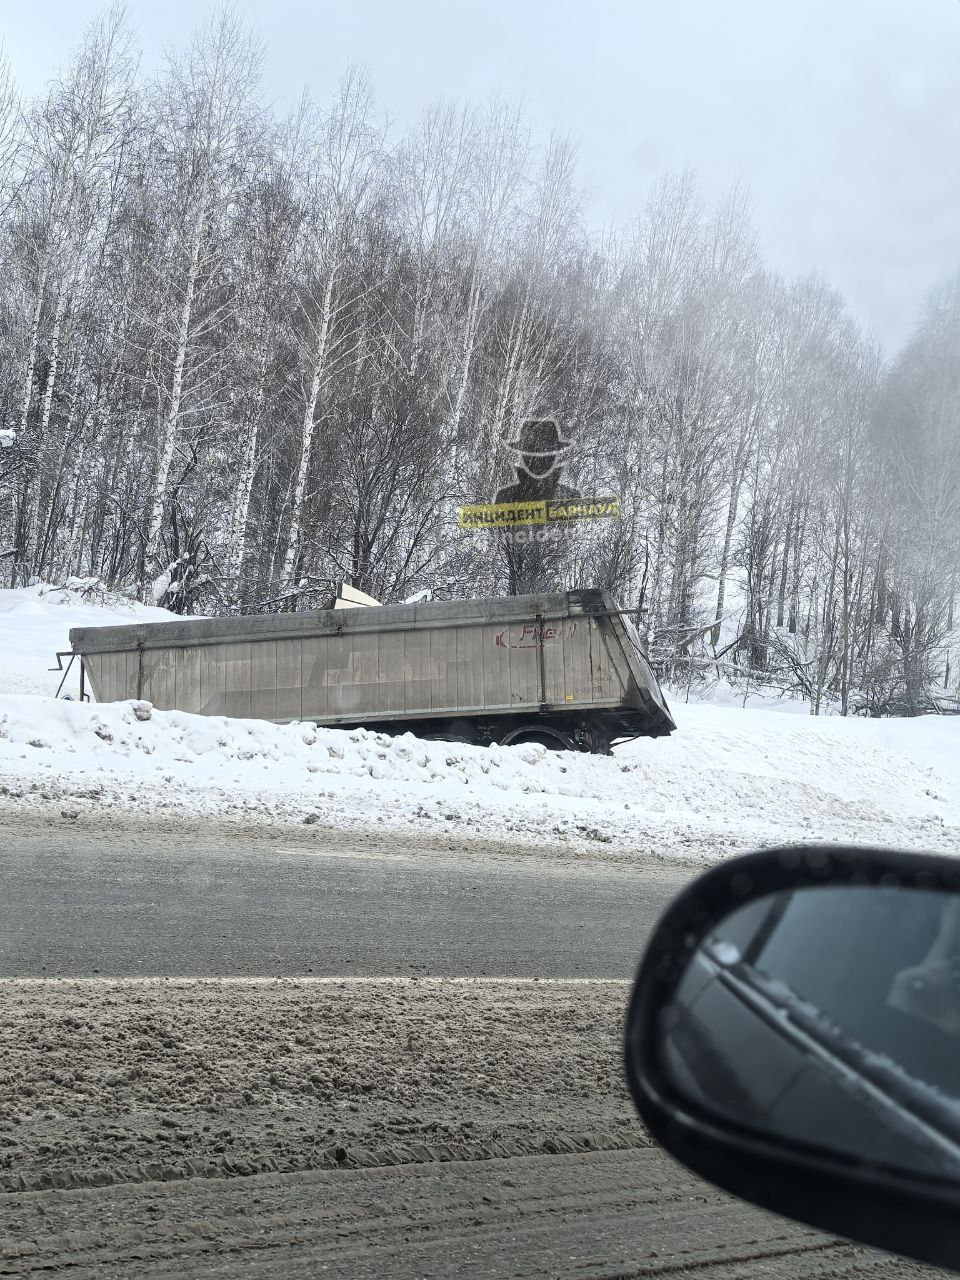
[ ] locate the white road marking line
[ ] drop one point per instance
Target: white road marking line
(347, 853)
(350, 980)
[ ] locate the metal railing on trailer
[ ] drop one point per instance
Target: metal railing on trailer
(69, 653)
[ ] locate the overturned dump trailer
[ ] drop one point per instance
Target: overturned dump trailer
(567, 670)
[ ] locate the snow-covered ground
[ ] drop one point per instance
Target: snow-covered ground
(729, 779)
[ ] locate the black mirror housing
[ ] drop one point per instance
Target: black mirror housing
(849, 1193)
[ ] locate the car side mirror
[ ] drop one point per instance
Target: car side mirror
(794, 1037)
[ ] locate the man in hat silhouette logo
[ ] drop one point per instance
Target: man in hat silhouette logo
(539, 450)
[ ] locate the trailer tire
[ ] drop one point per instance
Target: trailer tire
(456, 731)
(539, 735)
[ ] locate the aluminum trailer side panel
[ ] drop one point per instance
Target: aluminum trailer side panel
(524, 654)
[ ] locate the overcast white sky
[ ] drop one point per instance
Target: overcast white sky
(841, 117)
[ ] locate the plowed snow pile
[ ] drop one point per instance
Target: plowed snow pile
(728, 779)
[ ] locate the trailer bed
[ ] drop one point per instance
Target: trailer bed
(542, 656)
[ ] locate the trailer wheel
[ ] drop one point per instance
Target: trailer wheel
(552, 739)
(456, 731)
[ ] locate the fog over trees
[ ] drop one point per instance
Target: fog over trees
(244, 356)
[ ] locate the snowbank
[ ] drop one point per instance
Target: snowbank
(730, 778)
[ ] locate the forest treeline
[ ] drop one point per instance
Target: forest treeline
(244, 357)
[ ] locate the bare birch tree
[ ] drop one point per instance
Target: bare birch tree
(205, 110)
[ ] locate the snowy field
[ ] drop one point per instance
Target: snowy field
(729, 779)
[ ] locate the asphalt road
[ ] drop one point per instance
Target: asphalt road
(71, 905)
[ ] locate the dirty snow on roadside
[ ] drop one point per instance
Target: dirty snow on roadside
(729, 779)
(219, 1078)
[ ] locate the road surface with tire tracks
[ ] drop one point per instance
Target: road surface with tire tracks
(298, 1057)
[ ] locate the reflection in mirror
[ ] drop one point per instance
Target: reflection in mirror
(831, 1016)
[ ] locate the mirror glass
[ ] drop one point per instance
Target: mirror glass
(831, 1016)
